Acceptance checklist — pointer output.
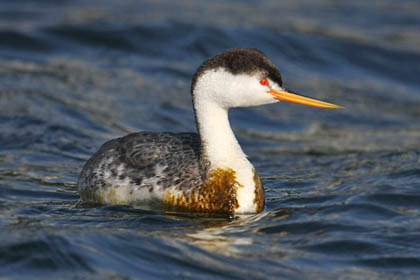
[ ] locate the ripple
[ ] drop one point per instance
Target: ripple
(412, 173)
(49, 253)
(391, 263)
(309, 227)
(26, 194)
(379, 59)
(21, 41)
(392, 199)
(346, 248)
(361, 211)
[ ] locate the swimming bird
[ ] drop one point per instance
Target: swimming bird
(203, 172)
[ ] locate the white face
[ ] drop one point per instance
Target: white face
(228, 90)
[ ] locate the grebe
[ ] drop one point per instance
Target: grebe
(206, 172)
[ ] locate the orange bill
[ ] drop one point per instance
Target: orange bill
(296, 98)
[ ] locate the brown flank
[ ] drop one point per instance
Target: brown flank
(218, 195)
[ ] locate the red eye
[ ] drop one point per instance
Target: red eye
(264, 82)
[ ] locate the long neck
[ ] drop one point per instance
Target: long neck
(220, 147)
(219, 144)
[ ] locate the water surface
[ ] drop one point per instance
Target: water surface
(342, 186)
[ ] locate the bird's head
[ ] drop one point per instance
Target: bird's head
(243, 78)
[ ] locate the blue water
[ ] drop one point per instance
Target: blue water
(342, 186)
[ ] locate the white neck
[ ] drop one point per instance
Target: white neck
(220, 146)
(222, 150)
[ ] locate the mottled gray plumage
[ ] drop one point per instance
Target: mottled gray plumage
(139, 154)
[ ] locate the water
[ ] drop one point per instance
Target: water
(342, 186)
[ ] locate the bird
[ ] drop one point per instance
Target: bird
(203, 172)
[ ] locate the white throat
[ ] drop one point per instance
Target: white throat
(219, 143)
